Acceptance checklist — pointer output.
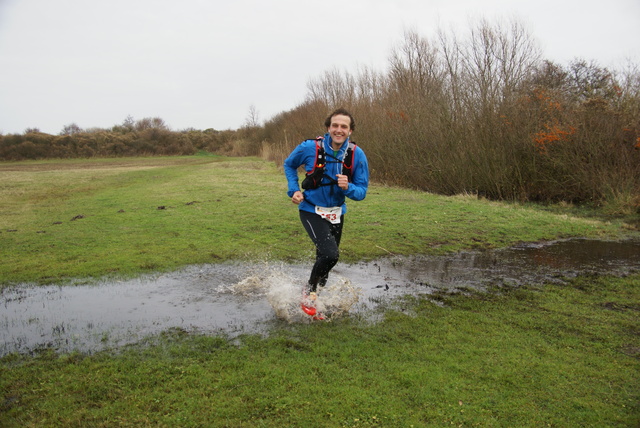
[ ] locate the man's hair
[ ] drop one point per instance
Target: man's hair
(341, 112)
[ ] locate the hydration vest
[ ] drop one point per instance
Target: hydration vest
(313, 179)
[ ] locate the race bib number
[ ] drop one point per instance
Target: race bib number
(331, 214)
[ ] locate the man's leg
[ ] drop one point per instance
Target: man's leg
(326, 237)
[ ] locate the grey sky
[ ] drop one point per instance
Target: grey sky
(203, 64)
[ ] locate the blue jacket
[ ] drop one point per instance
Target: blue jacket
(332, 195)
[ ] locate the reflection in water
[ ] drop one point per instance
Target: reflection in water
(235, 298)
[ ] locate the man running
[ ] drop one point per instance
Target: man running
(336, 169)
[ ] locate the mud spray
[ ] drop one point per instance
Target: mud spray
(283, 291)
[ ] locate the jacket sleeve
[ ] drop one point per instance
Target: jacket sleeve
(291, 165)
(360, 179)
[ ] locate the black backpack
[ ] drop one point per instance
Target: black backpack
(313, 179)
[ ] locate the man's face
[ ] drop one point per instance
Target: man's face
(340, 128)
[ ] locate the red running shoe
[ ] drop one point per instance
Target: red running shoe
(308, 303)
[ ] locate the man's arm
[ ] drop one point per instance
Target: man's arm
(357, 189)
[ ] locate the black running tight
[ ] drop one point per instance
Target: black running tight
(326, 237)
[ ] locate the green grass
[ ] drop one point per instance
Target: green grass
(544, 355)
(540, 356)
(219, 209)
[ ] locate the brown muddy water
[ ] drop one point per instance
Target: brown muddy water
(236, 298)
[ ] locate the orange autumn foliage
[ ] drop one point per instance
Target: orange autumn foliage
(552, 133)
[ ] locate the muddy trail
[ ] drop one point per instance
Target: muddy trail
(236, 298)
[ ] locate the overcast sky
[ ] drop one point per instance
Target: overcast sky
(204, 63)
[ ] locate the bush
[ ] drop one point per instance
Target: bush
(484, 115)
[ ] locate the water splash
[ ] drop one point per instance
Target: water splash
(283, 291)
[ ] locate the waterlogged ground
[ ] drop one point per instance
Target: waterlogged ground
(237, 298)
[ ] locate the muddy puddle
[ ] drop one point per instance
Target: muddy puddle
(236, 298)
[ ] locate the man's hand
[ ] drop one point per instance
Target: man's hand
(343, 181)
(297, 197)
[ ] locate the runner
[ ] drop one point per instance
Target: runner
(336, 169)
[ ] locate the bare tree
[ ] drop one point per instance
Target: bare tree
(253, 118)
(333, 88)
(151, 123)
(129, 123)
(416, 66)
(496, 60)
(71, 129)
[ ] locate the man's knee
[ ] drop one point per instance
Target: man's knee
(330, 257)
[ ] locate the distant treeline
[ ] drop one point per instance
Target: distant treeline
(485, 115)
(148, 136)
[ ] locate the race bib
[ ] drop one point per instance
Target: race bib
(331, 214)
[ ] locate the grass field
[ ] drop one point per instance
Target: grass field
(122, 217)
(543, 355)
